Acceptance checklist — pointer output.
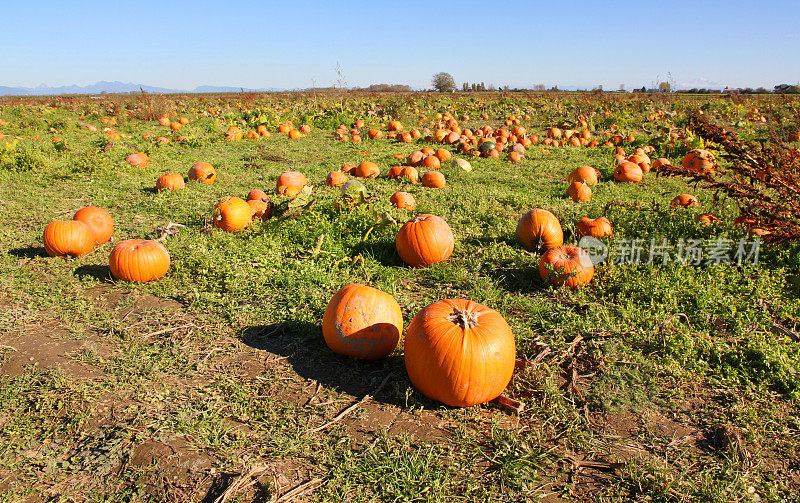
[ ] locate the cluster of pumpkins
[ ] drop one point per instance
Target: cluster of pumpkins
(137, 260)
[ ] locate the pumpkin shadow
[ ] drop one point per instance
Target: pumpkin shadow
(29, 252)
(302, 346)
(100, 273)
(150, 190)
(383, 251)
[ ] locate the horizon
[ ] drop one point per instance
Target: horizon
(282, 47)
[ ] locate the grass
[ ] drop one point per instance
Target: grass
(680, 379)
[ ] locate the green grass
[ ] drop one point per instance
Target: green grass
(678, 351)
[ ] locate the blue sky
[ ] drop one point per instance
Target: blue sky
(287, 44)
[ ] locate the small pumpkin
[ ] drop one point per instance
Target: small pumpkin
(661, 162)
(700, 161)
(706, 218)
(203, 172)
(539, 230)
(411, 175)
(232, 214)
(99, 222)
(579, 192)
(434, 179)
(71, 238)
(403, 201)
(597, 227)
(138, 260)
(431, 162)
(335, 179)
(368, 169)
(685, 200)
(170, 181)
(290, 183)
(459, 352)
(362, 322)
(585, 174)
(257, 195)
(137, 159)
(259, 209)
(571, 266)
(425, 240)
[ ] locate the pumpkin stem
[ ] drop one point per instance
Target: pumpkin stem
(464, 319)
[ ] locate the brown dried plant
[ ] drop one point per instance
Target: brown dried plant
(763, 177)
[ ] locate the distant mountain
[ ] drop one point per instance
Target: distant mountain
(114, 88)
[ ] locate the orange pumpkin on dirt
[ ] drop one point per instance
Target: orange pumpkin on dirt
(170, 181)
(425, 240)
(71, 238)
(203, 172)
(628, 172)
(138, 260)
(362, 322)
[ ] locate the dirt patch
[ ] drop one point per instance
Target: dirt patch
(45, 347)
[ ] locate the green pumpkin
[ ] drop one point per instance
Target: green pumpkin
(486, 146)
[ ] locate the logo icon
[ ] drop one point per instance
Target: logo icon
(597, 250)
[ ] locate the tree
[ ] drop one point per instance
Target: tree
(444, 82)
(664, 86)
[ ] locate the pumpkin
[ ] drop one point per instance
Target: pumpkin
(403, 200)
(597, 228)
(232, 214)
(570, 266)
(628, 172)
(137, 159)
(72, 238)
(305, 128)
(349, 169)
(579, 192)
(138, 260)
(367, 169)
(203, 172)
(257, 195)
(514, 156)
(585, 174)
(700, 161)
(415, 158)
(431, 162)
(462, 163)
(706, 218)
(335, 179)
(424, 241)
(294, 134)
(539, 230)
(259, 209)
(362, 322)
(290, 183)
(411, 175)
(661, 162)
(433, 179)
(459, 352)
(262, 131)
(175, 125)
(444, 155)
(170, 181)
(685, 200)
(99, 222)
(374, 134)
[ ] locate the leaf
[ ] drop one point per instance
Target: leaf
(301, 199)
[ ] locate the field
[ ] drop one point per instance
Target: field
(660, 381)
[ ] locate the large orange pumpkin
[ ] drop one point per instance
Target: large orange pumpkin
(570, 265)
(290, 183)
(539, 230)
(71, 238)
(362, 322)
(138, 260)
(99, 222)
(203, 172)
(232, 214)
(459, 352)
(425, 240)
